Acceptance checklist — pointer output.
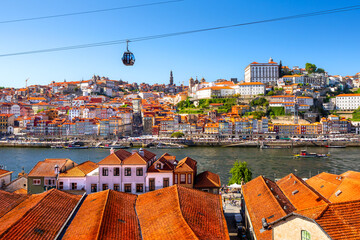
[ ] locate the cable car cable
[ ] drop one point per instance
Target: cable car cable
(88, 12)
(98, 44)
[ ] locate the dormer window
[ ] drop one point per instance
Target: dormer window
(158, 166)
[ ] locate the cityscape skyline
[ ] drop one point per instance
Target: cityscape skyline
(199, 54)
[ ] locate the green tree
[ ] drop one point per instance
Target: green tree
(177, 135)
(310, 68)
(240, 171)
(320, 70)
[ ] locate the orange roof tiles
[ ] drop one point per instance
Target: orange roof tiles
(116, 158)
(39, 217)
(300, 194)
(135, 159)
(80, 170)
(9, 200)
(250, 83)
(46, 168)
(341, 221)
(207, 180)
(257, 195)
(185, 165)
(181, 213)
(105, 215)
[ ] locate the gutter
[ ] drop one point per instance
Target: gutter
(70, 218)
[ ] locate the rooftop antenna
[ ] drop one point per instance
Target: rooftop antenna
(26, 82)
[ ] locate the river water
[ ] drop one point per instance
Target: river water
(272, 163)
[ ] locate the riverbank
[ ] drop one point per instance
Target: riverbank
(193, 143)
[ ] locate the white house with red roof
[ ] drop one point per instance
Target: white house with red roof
(250, 88)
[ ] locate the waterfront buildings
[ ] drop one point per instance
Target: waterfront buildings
(262, 72)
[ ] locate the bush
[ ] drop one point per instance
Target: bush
(177, 135)
(276, 111)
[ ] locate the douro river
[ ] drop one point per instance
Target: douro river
(273, 163)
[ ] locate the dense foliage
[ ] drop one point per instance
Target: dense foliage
(259, 102)
(177, 135)
(276, 111)
(240, 172)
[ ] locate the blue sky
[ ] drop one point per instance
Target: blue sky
(329, 41)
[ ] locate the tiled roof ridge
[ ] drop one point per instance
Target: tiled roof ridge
(27, 212)
(272, 195)
(179, 206)
(312, 189)
(137, 217)
(102, 215)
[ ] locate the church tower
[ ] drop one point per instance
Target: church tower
(171, 78)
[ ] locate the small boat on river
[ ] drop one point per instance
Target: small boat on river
(305, 154)
(339, 146)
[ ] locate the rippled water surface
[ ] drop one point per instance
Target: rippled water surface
(269, 162)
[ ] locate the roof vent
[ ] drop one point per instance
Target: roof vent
(338, 192)
(289, 176)
(271, 189)
(141, 152)
(39, 231)
(122, 221)
(295, 182)
(265, 225)
(259, 194)
(321, 186)
(285, 207)
(295, 192)
(267, 181)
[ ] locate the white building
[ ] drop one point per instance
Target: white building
(348, 101)
(215, 91)
(293, 79)
(5, 177)
(79, 177)
(250, 88)
(74, 112)
(262, 72)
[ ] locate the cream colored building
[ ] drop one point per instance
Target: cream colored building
(262, 72)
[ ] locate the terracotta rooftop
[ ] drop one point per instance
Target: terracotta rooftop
(257, 194)
(135, 159)
(116, 158)
(186, 164)
(80, 170)
(38, 217)
(4, 172)
(9, 200)
(46, 168)
(181, 213)
(207, 180)
(300, 194)
(105, 215)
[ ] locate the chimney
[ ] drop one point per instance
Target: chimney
(56, 169)
(111, 151)
(265, 225)
(141, 152)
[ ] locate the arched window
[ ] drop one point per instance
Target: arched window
(305, 235)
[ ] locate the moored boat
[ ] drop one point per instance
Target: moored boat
(339, 146)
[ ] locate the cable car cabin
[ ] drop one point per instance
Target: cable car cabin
(128, 58)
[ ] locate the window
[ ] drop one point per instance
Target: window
(182, 178)
(105, 187)
(105, 171)
(189, 178)
(158, 166)
(74, 186)
(36, 181)
(61, 185)
(176, 179)
(116, 172)
(117, 187)
(139, 171)
(165, 182)
(305, 235)
(127, 187)
(139, 188)
(93, 188)
(127, 171)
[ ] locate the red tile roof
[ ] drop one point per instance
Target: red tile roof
(39, 217)
(105, 215)
(181, 213)
(257, 194)
(207, 180)
(46, 168)
(9, 200)
(80, 170)
(116, 158)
